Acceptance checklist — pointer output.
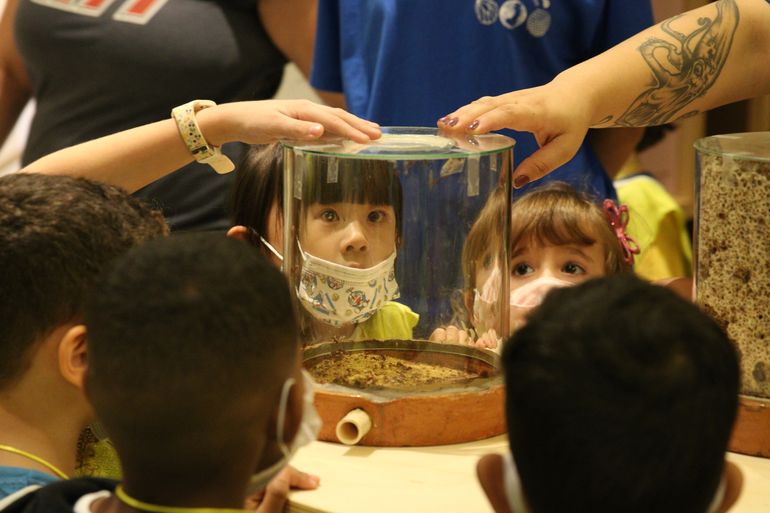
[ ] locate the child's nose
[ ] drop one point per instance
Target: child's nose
(355, 238)
(548, 272)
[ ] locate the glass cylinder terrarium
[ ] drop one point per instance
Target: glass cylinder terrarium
(732, 280)
(384, 244)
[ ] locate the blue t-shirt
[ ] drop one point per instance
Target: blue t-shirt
(13, 479)
(409, 62)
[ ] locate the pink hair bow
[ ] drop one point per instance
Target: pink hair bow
(618, 218)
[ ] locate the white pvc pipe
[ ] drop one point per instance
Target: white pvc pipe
(353, 427)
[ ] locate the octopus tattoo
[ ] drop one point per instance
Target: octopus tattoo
(685, 70)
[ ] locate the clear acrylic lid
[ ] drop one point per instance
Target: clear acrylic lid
(743, 146)
(406, 143)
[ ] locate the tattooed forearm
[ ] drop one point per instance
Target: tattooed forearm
(683, 67)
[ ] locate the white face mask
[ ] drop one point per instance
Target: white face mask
(512, 485)
(515, 495)
(719, 496)
(337, 295)
(272, 250)
(485, 302)
(530, 295)
(522, 300)
(306, 433)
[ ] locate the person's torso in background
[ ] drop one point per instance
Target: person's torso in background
(407, 62)
(102, 66)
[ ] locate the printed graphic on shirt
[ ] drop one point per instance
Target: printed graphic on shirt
(138, 11)
(84, 7)
(529, 15)
(486, 11)
(131, 11)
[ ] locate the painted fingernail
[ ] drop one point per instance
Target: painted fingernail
(452, 121)
(520, 181)
(474, 125)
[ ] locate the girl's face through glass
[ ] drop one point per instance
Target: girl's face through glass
(358, 235)
(574, 263)
(568, 263)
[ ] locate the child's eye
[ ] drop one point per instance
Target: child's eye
(573, 268)
(521, 269)
(376, 216)
(329, 215)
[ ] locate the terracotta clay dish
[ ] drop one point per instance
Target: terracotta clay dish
(406, 392)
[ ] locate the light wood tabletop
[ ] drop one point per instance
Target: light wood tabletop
(439, 479)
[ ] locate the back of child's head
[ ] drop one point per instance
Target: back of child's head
(259, 185)
(191, 339)
(56, 233)
(557, 214)
(620, 396)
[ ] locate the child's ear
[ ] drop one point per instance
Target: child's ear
(489, 471)
(73, 358)
(294, 407)
(239, 232)
(733, 485)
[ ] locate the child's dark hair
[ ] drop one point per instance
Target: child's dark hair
(259, 186)
(190, 341)
(620, 396)
(56, 234)
(352, 181)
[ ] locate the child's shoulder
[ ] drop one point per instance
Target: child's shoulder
(396, 308)
(14, 479)
(392, 320)
(393, 311)
(59, 496)
(642, 192)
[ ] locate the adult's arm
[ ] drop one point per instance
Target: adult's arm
(291, 24)
(692, 62)
(15, 89)
(133, 158)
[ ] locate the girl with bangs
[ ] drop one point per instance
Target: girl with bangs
(347, 234)
(559, 237)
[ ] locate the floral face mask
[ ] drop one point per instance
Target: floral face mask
(337, 295)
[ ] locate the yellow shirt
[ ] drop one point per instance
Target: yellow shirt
(97, 458)
(392, 321)
(657, 223)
